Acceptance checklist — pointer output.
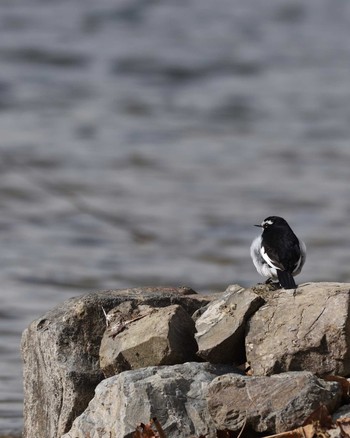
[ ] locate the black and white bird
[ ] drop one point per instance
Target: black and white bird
(277, 253)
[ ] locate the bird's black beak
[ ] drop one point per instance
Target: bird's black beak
(258, 226)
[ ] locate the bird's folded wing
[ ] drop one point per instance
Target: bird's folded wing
(302, 258)
(271, 258)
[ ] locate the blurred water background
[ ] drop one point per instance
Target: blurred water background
(140, 140)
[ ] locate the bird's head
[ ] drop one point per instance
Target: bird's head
(272, 221)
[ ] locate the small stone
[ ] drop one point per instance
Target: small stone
(159, 336)
(221, 328)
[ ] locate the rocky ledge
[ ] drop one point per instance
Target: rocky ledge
(99, 365)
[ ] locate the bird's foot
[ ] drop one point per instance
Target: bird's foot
(272, 283)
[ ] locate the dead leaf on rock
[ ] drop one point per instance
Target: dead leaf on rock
(145, 431)
(159, 428)
(344, 426)
(225, 434)
(320, 417)
(308, 431)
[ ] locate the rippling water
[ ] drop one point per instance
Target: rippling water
(141, 139)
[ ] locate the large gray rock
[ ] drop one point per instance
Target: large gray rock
(268, 404)
(176, 395)
(61, 354)
(221, 328)
(156, 336)
(305, 330)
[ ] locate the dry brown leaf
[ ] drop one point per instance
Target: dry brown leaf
(145, 431)
(137, 433)
(320, 417)
(159, 428)
(307, 431)
(225, 434)
(344, 426)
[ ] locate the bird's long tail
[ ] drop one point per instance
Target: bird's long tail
(286, 279)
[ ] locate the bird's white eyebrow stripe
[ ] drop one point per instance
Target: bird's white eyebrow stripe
(267, 222)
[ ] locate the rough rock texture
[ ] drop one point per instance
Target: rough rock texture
(61, 354)
(300, 330)
(307, 330)
(165, 336)
(221, 328)
(174, 394)
(343, 412)
(268, 404)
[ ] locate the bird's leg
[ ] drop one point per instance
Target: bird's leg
(272, 283)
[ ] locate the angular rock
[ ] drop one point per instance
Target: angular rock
(342, 412)
(61, 354)
(176, 395)
(221, 328)
(306, 330)
(158, 336)
(272, 404)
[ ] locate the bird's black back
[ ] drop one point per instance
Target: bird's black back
(281, 245)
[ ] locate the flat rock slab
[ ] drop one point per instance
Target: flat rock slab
(305, 330)
(176, 395)
(271, 404)
(60, 351)
(156, 336)
(221, 328)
